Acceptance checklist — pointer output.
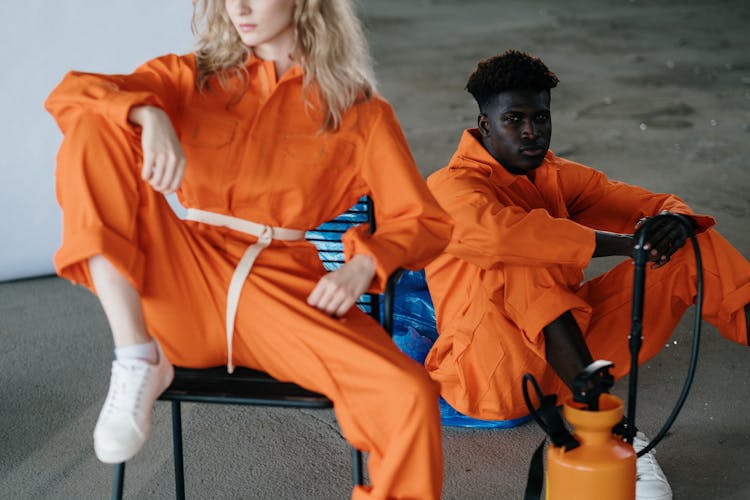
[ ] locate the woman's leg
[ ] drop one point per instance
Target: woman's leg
(385, 403)
(106, 210)
(121, 303)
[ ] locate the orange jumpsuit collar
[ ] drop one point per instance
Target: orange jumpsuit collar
(270, 69)
(470, 149)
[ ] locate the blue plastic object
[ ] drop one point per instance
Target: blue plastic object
(414, 332)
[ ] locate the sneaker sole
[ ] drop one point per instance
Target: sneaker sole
(117, 456)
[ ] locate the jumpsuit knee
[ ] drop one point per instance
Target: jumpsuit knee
(482, 359)
(384, 401)
(103, 200)
(669, 291)
(534, 296)
(108, 210)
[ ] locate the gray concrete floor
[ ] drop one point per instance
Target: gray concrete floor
(654, 93)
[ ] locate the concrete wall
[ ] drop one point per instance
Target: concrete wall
(41, 40)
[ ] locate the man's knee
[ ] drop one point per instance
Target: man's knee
(417, 386)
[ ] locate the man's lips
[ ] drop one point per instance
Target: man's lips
(532, 150)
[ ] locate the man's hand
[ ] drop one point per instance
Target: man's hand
(666, 236)
(338, 291)
(163, 159)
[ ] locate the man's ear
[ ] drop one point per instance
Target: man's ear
(483, 124)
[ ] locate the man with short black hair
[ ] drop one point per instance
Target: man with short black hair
(508, 291)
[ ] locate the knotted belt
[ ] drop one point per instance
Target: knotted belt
(265, 235)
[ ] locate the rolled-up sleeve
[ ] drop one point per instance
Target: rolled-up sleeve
(489, 233)
(411, 227)
(156, 83)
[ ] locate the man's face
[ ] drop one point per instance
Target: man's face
(516, 129)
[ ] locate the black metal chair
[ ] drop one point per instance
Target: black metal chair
(252, 387)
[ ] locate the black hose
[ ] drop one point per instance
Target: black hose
(693, 356)
(527, 377)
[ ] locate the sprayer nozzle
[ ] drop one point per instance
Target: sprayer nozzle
(594, 380)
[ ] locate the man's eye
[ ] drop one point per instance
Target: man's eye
(511, 119)
(542, 118)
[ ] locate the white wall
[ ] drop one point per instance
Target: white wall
(41, 40)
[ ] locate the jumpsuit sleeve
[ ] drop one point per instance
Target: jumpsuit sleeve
(617, 207)
(490, 233)
(411, 228)
(155, 83)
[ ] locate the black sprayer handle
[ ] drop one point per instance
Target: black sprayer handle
(590, 383)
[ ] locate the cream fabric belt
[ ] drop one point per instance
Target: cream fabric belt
(265, 235)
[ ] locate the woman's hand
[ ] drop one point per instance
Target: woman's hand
(163, 159)
(338, 291)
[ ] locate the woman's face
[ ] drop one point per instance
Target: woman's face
(263, 22)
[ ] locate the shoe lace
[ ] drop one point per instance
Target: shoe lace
(646, 465)
(125, 389)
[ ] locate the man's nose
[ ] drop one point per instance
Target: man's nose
(528, 130)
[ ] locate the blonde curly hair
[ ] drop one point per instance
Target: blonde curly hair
(329, 44)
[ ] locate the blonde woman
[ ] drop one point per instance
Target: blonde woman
(270, 128)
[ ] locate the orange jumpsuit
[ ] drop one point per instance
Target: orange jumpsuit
(259, 157)
(516, 261)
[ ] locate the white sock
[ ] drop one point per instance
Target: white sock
(146, 352)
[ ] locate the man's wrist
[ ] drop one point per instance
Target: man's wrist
(628, 242)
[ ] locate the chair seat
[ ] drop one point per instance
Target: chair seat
(245, 387)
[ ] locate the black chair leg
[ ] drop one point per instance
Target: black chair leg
(358, 476)
(179, 474)
(119, 480)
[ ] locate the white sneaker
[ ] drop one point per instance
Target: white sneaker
(125, 420)
(651, 483)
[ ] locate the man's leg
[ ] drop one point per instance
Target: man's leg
(669, 291)
(480, 358)
(565, 349)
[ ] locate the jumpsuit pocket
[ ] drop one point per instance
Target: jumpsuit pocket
(465, 331)
(207, 131)
(478, 352)
(317, 150)
(320, 165)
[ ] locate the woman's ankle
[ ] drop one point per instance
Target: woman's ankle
(146, 351)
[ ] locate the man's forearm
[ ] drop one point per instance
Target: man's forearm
(608, 244)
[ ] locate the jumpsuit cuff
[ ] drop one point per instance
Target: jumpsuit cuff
(702, 222)
(735, 303)
(548, 307)
(71, 260)
(357, 241)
